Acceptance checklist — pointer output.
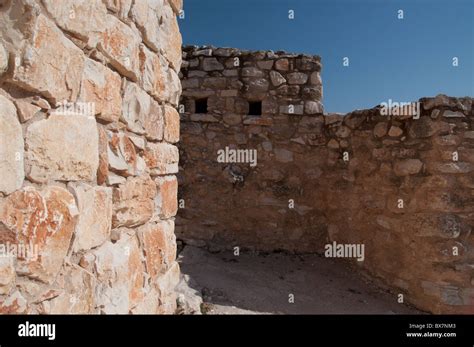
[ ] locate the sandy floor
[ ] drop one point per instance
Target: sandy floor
(251, 283)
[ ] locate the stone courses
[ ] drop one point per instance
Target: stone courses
(88, 91)
(346, 174)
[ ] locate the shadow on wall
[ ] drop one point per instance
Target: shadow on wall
(398, 181)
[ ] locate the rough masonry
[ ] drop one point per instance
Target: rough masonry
(401, 185)
(88, 126)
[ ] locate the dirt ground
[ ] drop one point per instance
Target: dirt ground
(266, 284)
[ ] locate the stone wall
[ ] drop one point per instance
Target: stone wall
(401, 186)
(88, 91)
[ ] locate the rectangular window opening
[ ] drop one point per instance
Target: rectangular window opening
(201, 106)
(255, 108)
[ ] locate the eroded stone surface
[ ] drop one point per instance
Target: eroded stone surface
(166, 200)
(11, 148)
(101, 86)
(44, 221)
(62, 147)
(162, 158)
(120, 275)
(51, 64)
(95, 216)
(133, 202)
(160, 247)
(141, 113)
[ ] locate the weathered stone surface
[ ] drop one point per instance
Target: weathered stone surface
(283, 155)
(251, 72)
(120, 275)
(42, 70)
(13, 304)
(171, 126)
(166, 199)
(101, 86)
(7, 274)
(95, 216)
(395, 131)
(255, 86)
(121, 7)
(315, 78)
(77, 295)
(162, 158)
(355, 119)
(390, 183)
(282, 64)
(166, 285)
(439, 100)
(103, 146)
(120, 44)
(422, 128)
(46, 220)
(152, 73)
(85, 19)
(276, 78)
(407, 167)
(26, 110)
(159, 244)
(190, 83)
(214, 83)
(232, 119)
(265, 64)
(203, 117)
(297, 78)
(3, 60)
(380, 129)
(176, 5)
(133, 202)
(453, 114)
(211, 64)
(451, 168)
(157, 22)
(333, 144)
(448, 140)
(155, 77)
(141, 113)
(313, 107)
(343, 132)
(95, 84)
(11, 148)
(62, 147)
(122, 157)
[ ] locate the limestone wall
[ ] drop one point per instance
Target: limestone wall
(88, 91)
(401, 186)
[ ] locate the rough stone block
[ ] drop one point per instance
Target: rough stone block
(159, 243)
(171, 126)
(133, 202)
(102, 87)
(11, 148)
(120, 275)
(84, 19)
(166, 200)
(141, 113)
(52, 66)
(95, 216)
(46, 221)
(121, 45)
(162, 158)
(63, 148)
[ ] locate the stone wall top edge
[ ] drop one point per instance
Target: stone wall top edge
(212, 51)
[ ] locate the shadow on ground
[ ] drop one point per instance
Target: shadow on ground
(251, 283)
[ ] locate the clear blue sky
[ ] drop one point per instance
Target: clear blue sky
(389, 58)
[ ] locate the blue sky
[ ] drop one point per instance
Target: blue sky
(389, 58)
